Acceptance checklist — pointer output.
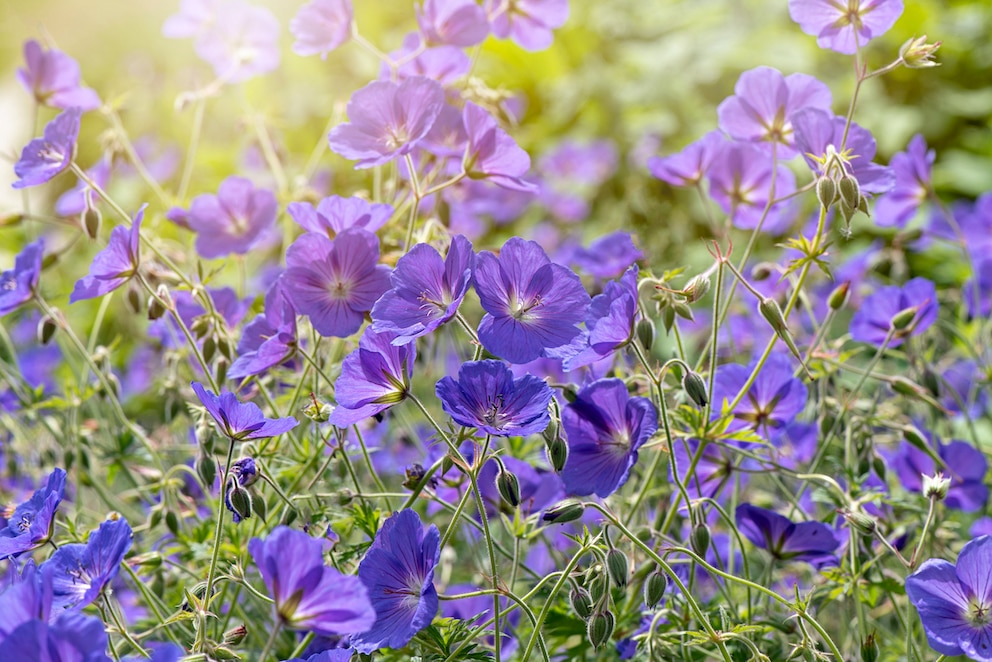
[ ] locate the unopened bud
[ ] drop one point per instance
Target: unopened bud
(850, 191)
(46, 329)
(599, 585)
(771, 311)
(696, 288)
(695, 388)
(903, 320)
(913, 435)
(240, 502)
(568, 510)
(92, 220)
(146, 560)
(318, 410)
(220, 370)
(826, 191)
(600, 628)
(508, 487)
(557, 453)
(839, 296)
(916, 53)
(235, 636)
(936, 486)
(700, 539)
(209, 349)
(619, 567)
(155, 308)
(201, 326)
(258, 506)
(762, 271)
(654, 588)
(206, 469)
(133, 298)
(865, 524)
(869, 649)
(581, 602)
(645, 333)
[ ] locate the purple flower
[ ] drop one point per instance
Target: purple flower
(444, 64)
(912, 170)
(195, 18)
(241, 43)
(741, 183)
(786, 540)
(44, 158)
(80, 572)
(964, 464)
(533, 307)
(387, 120)
(398, 571)
(487, 397)
(32, 522)
(72, 637)
(492, 154)
(527, 22)
(335, 214)
(873, 321)
(335, 281)
(604, 427)
(844, 26)
(309, 595)
(373, 378)
(774, 399)
(80, 198)
(688, 167)
(819, 136)
(240, 421)
(114, 265)
(579, 164)
(610, 321)
(954, 601)
(17, 285)
(54, 79)
(232, 221)
(269, 339)
(459, 23)
(320, 26)
(763, 103)
(609, 256)
(426, 290)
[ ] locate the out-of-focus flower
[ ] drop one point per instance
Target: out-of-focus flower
(232, 221)
(873, 320)
(320, 26)
(491, 153)
(444, 64)
(773, 400)
(963, 464)
(32, 522)
(80, 572)
(373, 378)
(240, 421)
(527, 22)
(460, 23)
(845, 25)
(487, 397)
(608, 256)
(44, 158)
(785, 540)
(80, 198)
(114, 265)
(741, 178)
(239, 40)
(610, 321)
(688, 167)
(335, 214)
(17, 285)
(54, 79)
(912, 170)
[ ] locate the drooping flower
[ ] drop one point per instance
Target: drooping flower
(114, 265)
(80, 572)
(32, 522)
(44, 158)
(604, 428)
(487, 397)
(845, 25)
(820, 135)
(954, 601)
(460, 23)
(773, 400)
(963, 464)
(17, 285)
(426, 290)
(527, 22)
(491, 153)
(610, 321)
(53, 78)
(269, 339)
(912, 170)
(688, 167)
(873, 320)
(232, 221)
(608, 256)
(309, 595)
(320, 26)
(763, 103)
(785, 540)
(335, 281)
(533, 306)
(398, 571)
(387, 120)
(373, 378)
(335, 214)
(240, 421)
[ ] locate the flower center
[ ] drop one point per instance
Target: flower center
(492, 415)
(8, 283)
(339, 290)
(519, 309)
(396, 137)
(978, 614)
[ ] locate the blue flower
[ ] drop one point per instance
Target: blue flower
(487, 397)
(31, 524)
(398, 571)
(610, 322)
(373, 378)
(239, 421)
(786, 540)
(80, 572)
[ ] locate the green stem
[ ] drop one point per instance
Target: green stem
(201, 633)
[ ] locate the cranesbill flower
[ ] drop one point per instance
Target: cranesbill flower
(232, 221)
(688, 167)
(44, 158)
(427, 290)
(309, 595)
(785, 540)
(270, 338)
(819, 135)
(444, 64)
(387, 120)
(242, 42)
(80, 572)
(54, 79)
(459, 23)
(763, 102)
(240, 421)
(72, 637)
(487, 397)
(963, 464)
(604, 427)
(741, 177)
(844, 25)
(320, 26)
(774, 399)
(912, 170)
(608, 256)
(32, 522)
(335, 281)
(491, 153)
(954, 602)
(398, 571)
(114, 265)
(373, 378)
(533, 307)
(610, 321)
(527, 22)
(873, 320)
(335, 214)
(194, 19)
(17, 285)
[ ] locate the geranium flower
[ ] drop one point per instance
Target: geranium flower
(527, 22)
(912, 170)
(491, 153)
(320, 26)
(873, 320)
(610, 322)
(114, 265)
(54, 79)
(80, 572)
(232, 221)
(785, 540)
(688, 167)
(17, 285)
(270, 338)
(844, 25)
(373, 378)
(335, 214)
(240, 421)
(32, 522)
(44, 158)
(740, 177)
(459, 23)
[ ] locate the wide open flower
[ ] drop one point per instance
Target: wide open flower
(239, 421)
(844, 25)
(234, 220)
(31, 523)
(54, 79)
(44, 158)
(80, 572)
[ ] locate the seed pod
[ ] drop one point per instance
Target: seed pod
(695, 387)
(146, 560)
(654, 588)
(581, 602)
(864, 523)
(599, 629)
(568, 510)
(508, 487)
(696, 288)
(869, 649)
(619, 567)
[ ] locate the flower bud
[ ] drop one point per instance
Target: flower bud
(826, 191)
(839, 296)
(318, 411)
(508, 487)
(206, 469)
(258, 506)
(557, 453)
(913, 435)
(568, 510)
(654, 588)
(245, 471)
(155, 308)
(92, 219)
(240, 502)
(46, 329)
(903, 320)
(619, 567)
(850, 191)
(236, 635)
(869, 649)
(700, 539)
(172, 522)
(581, 602)
(133, 298)
(696, 288)
(916, 53)
(762, 271)
(695, 388)
(771, 311)
(599, 629)
(146, 560)
(645, 333)
(599, 586)
(936, 486)
(220, 370)
(865, 524)
(209, 349)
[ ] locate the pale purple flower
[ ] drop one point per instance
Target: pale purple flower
(527, 22)
(320, 26)
(459, 23)
(269, 339)
(688, 167)
(17, 285)
(608, 256)
(741, 183)
(845, 25)
(79, 572)
(610, 322)
(818, 134)
(387, 120)
(763, 103)
(872, 322)
(54, 79)
(44, 158)
(444, 64)
(336, 214)
(242, 43)
(114, 265)
(492, 154)
(232, 221)
(195, 18)
(912, 170)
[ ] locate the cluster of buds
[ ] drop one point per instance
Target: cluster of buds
(837, 186)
